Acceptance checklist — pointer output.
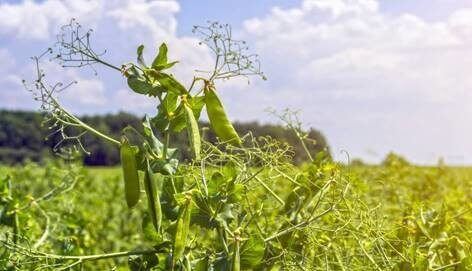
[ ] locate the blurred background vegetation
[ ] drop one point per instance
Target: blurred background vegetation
(22, 138)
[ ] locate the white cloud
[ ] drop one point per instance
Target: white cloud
(12, 94)
(368, 79)
(35, 20)
(128, 100)
(119, 27)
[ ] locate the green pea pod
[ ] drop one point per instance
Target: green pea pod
(154, 203)
(192, 130)
(218, 119)
(130, 172)
(181, 230)
(236, 262)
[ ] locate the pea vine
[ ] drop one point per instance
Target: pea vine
(216, 212)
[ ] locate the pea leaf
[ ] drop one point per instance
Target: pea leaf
(140, 55)
(168, 82)
(161, 58)
(165, 66)
(252, 253)
(139, 84)
(196, 104)
(156, 145)
(166, 112)
(165, 167)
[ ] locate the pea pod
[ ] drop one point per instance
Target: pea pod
(218, 120)
(154, 203)
(236, 261)
(130, 172)
(192, 130)
(181, 230)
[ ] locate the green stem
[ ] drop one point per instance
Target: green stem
(166, 144)
(99, 134)
(297, 226)
(305, 148)
(84, 125)
(270, 190)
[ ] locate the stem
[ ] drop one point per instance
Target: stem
(270, 191)
(305, 148)
(166, 144)
(299, 225)
(367, 254)
(85, 126)
(38, 254)
(98, 59)
(101, 256)
(90, 129)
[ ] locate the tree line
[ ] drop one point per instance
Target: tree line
(25, 137)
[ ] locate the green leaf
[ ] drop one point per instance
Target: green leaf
(216, 182)
(165, 167)
(165, 66)
(139, 84)
(149, 231)
(166, 112)
(140, 56)
(161, 58)
(252, 253)
(202, 265)
(156, 145)
(179, 122)
(168, 82)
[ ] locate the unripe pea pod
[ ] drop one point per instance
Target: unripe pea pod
(217, 116)
(236, 261)
(130, 172)
(192, 130)
(154, 203)
(181, 230)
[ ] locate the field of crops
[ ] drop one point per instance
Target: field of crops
(390, 217)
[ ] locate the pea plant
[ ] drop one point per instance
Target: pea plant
(226, 209)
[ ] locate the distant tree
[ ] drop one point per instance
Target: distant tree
(23, 137)
(395, 160)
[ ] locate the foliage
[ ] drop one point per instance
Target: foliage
(404, 219)
(22, 138)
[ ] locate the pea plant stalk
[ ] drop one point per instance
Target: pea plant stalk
(218, 190)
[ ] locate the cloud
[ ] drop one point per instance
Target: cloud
(134, 103)
(368, 79)
(120, 26)
(35, 20)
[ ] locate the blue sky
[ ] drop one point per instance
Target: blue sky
(373, 76)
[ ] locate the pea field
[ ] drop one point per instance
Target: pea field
(390, 217)
(240, 202)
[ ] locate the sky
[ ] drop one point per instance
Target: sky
(373, 75)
